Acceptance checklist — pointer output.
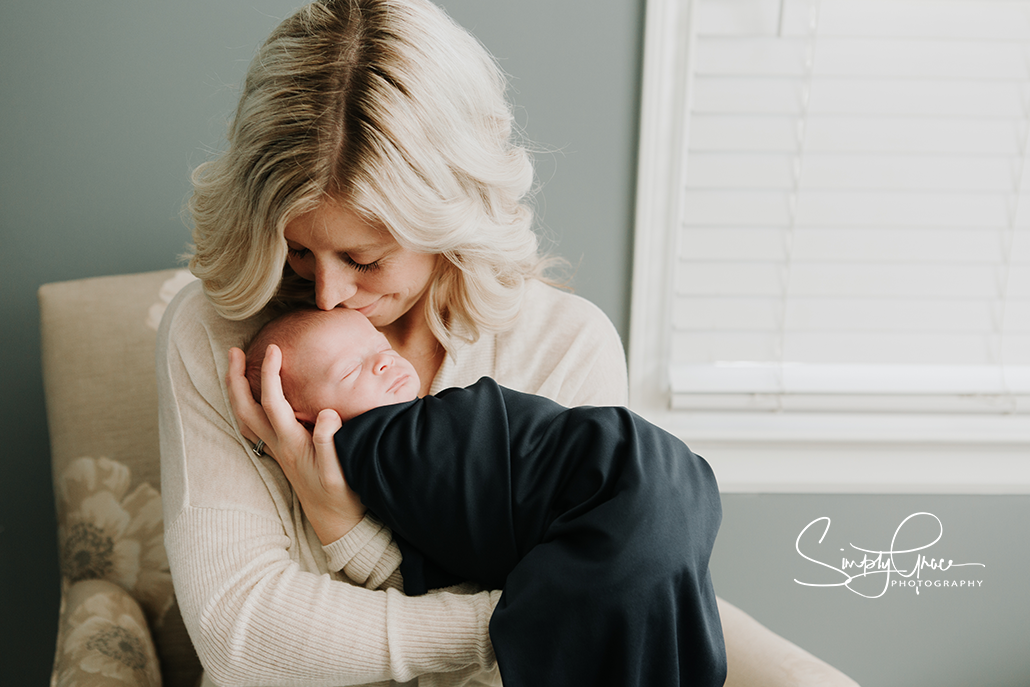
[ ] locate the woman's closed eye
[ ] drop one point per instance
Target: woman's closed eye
(361, 266)
(301, 253)
(297, 253)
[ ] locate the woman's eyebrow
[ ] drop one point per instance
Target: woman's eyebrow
(370, 246)
(366, 247)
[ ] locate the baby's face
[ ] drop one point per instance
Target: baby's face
(342, 362)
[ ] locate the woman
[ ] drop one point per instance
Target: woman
(371, 166)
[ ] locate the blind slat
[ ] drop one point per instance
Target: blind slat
(837, 315)
(851, 379)
(842, 134)
(848, 280)
(862, 96)
(855, 244)
(833, 208)
(908, 19)
(916, 348)
(862, 56)
(854, 172)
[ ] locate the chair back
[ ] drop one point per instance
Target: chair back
(98, 338)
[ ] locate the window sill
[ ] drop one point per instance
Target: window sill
(857, 453)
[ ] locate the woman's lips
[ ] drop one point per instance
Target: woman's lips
(366, 309)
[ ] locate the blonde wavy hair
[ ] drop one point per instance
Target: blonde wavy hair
(392, 109)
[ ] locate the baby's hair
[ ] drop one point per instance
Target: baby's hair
(283, 328)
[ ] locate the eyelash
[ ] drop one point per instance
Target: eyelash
(299, 253)
(367, 267)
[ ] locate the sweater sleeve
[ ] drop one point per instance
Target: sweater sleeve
(367, 555)
(259, 605)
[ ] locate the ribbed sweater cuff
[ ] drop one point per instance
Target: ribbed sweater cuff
(364, 554)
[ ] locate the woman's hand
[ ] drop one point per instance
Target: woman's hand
(309, 461)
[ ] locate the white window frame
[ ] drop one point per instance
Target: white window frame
(768, 451)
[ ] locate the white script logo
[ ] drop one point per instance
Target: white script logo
(860, 572)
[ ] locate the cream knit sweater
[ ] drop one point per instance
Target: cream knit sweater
(264, 602)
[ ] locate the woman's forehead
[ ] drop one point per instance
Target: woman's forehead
(336, 227)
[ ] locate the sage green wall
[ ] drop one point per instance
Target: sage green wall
(105, 108)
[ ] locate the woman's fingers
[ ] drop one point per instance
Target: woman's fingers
(340, 508)
(280, 414)
(328, 464)
(292, 441)
(253, 422)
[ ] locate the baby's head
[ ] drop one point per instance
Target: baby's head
(332, 359)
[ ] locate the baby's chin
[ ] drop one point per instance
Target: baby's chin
(409, 392)
(394, 399)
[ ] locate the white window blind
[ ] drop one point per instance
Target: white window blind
(849, 224)
(831, 286)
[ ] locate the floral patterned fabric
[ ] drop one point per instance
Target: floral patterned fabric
(105, 641)
(107, 532)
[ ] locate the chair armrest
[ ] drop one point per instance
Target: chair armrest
(103, 639)
(758, 657)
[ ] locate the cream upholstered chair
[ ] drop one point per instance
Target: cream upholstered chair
(119, 622)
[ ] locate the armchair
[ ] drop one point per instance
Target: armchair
(119, 622)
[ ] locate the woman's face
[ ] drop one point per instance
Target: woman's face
(356, 265)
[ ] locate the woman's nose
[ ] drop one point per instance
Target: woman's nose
(333, 286)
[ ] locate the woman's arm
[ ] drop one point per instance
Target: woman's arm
(252, 588)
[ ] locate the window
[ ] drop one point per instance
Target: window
(832, 268)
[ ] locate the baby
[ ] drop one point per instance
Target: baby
(332, 359)
(597, 525)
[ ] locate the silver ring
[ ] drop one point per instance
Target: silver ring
(259, 448)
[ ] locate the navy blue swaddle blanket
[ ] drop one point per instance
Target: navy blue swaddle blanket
(597, 525)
